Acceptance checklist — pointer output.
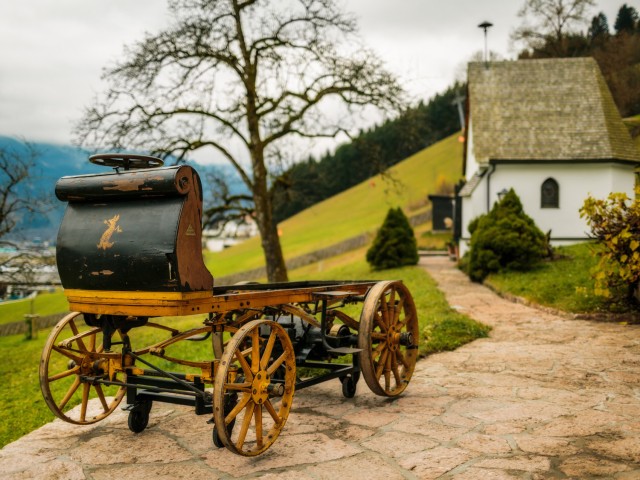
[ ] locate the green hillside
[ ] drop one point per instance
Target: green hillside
(360, 209)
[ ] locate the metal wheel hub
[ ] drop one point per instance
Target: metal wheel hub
(260, 387)
(393, 339)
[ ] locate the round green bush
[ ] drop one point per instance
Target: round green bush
(506, 238)
(395, 243)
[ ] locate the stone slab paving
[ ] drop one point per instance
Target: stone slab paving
(543, 397)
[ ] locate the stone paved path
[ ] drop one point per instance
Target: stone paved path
(543, 397)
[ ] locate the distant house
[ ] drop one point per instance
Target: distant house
(230, 233)
(550, 130)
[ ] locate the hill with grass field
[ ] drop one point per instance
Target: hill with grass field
(360, 209)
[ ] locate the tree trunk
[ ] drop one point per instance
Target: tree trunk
(276, 268)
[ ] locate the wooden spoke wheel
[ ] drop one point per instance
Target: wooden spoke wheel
(72, 358)
(259, 366)
(388, 336)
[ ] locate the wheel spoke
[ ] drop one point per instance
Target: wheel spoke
(387, 374)
(378, 319)
(64, 374)
(395, 369)
(67, 353)
(238, 387)
(382, 363)
(246, 421)
(244, 364)
(100, 394)
(398, 312)
(92, 343)
(76, 332)
(276, 364)
(384, 311)
(69, 394)
(257, 413)
(392, 300)
(375, 353)
(86, 388)
(268, 349)
(272, 411)
(255, 350)
(237, 409)
(407, 320)
(403, 360)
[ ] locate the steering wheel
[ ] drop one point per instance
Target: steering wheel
(126, 161)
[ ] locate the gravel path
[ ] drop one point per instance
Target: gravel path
(543, 397)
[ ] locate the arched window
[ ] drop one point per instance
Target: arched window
(550, 194)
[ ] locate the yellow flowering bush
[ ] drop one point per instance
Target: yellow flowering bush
(615, 223)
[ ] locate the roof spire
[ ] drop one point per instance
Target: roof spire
(485, 26)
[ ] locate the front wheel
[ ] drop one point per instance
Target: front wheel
(250, 368)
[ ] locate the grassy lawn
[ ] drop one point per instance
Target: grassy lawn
(564, 284)
(44, 304)
(442, 328)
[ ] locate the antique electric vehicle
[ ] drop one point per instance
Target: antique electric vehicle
(148, 324)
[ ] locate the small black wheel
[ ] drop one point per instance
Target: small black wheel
(349, 385)
(230, 402)
(216, 439)
(139, 416)
(138, 420)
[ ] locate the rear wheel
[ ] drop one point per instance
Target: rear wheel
(388, 336)
(72, 361)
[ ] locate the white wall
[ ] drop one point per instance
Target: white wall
(576, 182)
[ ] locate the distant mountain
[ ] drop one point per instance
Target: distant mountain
(55, 161)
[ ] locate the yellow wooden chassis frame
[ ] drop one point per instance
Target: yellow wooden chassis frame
(169, 304)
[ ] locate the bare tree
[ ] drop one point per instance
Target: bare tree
(239, 77)
(17, 163)
(548, 22)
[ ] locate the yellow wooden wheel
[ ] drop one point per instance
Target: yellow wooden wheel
(71, 360)
(388, 336)
(253, 387)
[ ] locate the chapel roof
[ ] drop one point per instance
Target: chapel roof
(545, 110)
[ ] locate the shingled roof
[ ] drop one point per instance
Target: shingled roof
(550, 109)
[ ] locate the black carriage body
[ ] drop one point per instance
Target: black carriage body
(136, 230)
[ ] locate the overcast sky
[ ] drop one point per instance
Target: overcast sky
(52, 51)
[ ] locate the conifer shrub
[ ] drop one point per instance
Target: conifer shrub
(506, 238)
(395, 243)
